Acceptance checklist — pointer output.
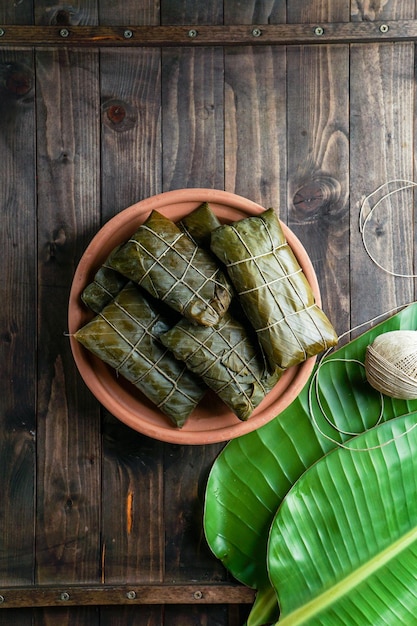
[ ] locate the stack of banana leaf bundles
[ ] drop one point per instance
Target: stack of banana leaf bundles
(184, 307)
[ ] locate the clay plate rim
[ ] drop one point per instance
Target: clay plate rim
(211, 422)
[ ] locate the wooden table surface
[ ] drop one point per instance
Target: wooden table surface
(309, 127)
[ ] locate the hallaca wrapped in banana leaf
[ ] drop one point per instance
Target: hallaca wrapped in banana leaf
(273, 289)
(199, 224)
(227, 358)
(107, 283)
(164, 261)
(125, 335)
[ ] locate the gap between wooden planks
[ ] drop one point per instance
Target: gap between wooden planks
(227, 35)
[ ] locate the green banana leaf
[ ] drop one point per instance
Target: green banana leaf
(253, 473)
(343, 545)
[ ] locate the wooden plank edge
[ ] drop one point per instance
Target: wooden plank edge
(227, 35)
(95, 595)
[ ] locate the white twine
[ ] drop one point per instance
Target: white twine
(314, 382)
(364, 221)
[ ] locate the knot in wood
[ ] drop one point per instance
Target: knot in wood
(64, 16)
(309, 198)
(320, 197)
(118, 115)
(18, 80)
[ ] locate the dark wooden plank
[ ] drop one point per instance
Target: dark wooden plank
(318, 156)
(61, 15)
(83, 616)
(191, 12)
(132, 482)
(318, 168)
(382, 10)
(193, 156)
(255, 125)
(382, 127)
(131, 133)
(254, 12)
(18, 617)
(69, 468)
(187, 556)
(133, 545)
(255, 110)
(17, 318)
(16, 12)
(132, 472)
(318, 11)
(132, 615)
(192, 118)
(69, 419)
(141, 12)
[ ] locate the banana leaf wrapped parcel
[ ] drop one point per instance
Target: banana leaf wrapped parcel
(125, 335)
(106, 284)
(273, 289)
(227, 358)
(167, 264)
(199, 224)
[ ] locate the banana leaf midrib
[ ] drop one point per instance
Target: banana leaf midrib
(325, 599)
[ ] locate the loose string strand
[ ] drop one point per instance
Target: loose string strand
(364, 221)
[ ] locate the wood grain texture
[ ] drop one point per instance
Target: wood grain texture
(193, 156)
(133, 518)
(78, 13)
(290, 125)
(17, 316)
(253, 12)
(134, 36)
(192, 120)
(141, 12)
(255, 125)
(134, 594)
(132, 482)
(372, 10)
(381, 152)
(317, 11)
(131, 131)
(192, 100)
(16, 12)
(185, 474)
(191, 12)
(318, 167)
(68, 498)
(81, 616)
(18, 617)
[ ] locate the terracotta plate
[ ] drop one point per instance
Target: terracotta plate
(212, 421)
